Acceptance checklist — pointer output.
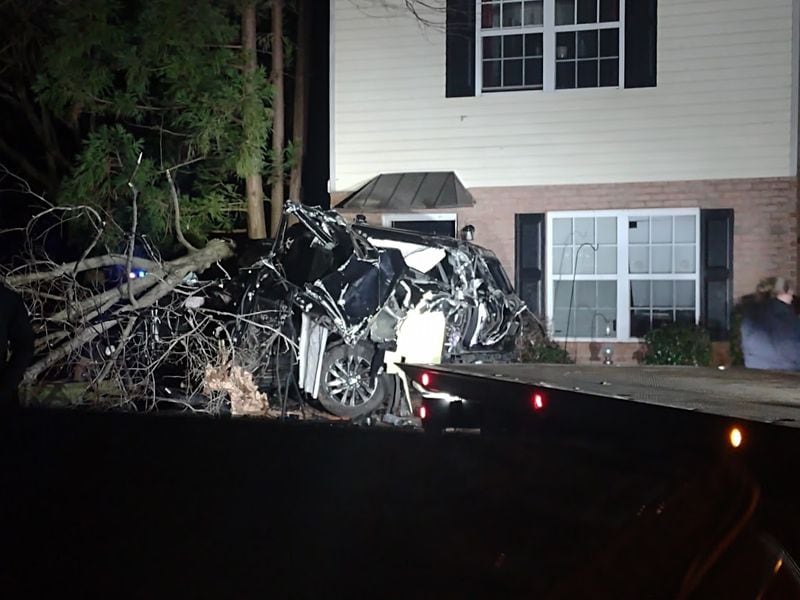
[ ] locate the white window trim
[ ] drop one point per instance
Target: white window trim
(387, 219)
(548, 30)
(622, 277)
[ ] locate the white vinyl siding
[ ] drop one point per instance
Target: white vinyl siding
(722, 107)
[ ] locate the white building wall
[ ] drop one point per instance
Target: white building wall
(722, 109)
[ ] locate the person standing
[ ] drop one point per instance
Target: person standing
(16, 346)
(771, 329)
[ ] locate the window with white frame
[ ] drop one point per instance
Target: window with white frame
(549, 44)
(619, 274)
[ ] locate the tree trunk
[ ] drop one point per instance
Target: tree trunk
(277, 116)
(256, 226)
(300, 100)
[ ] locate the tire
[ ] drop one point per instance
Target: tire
(345, 390)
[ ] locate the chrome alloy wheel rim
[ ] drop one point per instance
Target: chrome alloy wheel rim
(348, 381)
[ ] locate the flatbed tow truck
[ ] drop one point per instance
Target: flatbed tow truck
(688, 405)
(738, 426)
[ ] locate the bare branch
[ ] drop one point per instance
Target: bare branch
(176, 206)
(87, 264)
(126, 334)
(86, 336)
(132, 237)
(428, 13)
(115, 338)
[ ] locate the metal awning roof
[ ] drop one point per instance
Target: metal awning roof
(407, 191)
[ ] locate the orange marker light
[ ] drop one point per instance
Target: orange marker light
(735, 437)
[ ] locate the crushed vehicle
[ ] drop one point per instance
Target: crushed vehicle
(345, 303)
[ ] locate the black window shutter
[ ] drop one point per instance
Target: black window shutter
(460, 48)
(716, 271)
(640, 43)
(529, 260)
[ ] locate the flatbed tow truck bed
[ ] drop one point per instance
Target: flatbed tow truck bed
(639, 401)
(767, 396)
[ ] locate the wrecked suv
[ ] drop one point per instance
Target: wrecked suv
(347, 302)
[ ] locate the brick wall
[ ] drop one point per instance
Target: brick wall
(765, 216)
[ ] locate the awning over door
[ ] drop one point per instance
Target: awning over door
(407, 191)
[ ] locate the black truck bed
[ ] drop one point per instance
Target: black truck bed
(765, 396)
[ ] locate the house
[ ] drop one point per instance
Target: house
(631, 162)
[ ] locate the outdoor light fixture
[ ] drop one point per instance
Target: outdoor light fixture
(468, 233)
(608, 355)
(607, 350)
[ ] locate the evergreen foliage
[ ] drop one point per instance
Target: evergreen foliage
(162, 78)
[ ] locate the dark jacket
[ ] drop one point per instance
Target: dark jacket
(771, 337)
(16, 344)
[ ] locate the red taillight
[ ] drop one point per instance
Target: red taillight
(425, 379)
(538, 401)
(423, 412)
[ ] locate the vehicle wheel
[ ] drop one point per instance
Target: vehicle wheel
(345, 389)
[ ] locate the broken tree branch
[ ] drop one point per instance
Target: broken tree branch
(86, 336)
(132, 236)
(176, 206)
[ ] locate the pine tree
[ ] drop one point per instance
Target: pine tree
(167, 80)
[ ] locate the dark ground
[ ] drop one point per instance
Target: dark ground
(130, 506)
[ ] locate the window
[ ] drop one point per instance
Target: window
(619, 274)
(443, 224)
(665, 246)
(502, 45)
(549, 44)
(512, 45)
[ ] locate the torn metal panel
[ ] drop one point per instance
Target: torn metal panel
(360, 287)
(418, 257)
(302, 350)
(420, 340)
(313, 339)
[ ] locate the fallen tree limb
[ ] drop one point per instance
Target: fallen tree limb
(122, 338)
(84, 337)
(42, 271)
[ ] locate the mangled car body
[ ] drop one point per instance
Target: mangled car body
(358, 299)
